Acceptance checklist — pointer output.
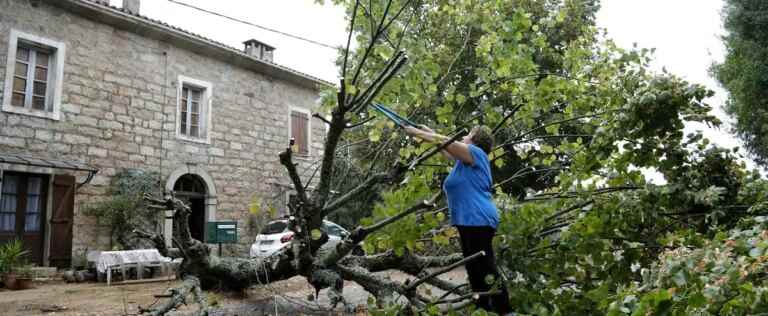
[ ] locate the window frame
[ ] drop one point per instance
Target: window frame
(204, 128)
(309, 129)
(55, 76)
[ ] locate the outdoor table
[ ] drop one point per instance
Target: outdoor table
(140, 258)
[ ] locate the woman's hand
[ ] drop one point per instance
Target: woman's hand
(426, 128)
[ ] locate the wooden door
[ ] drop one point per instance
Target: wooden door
(22, 212)
(62, 220)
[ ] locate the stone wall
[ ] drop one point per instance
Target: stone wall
(119, 111)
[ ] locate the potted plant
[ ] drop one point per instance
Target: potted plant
(24, 277)
(11, 254)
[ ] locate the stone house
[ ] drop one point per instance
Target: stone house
(91, 89)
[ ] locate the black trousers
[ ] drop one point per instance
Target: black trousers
(473, 240)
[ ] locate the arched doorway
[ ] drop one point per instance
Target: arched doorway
(192, 188)
(194, 176)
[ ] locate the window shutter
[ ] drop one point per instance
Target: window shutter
(62, 220)
(300, 131)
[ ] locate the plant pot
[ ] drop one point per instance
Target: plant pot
(24, 283)
(10, 280)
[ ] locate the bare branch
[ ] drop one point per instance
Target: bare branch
(159, 241)
(361, 122)
(287, 161)
(399, 61)
(346, 50)
(412, 286)
(178, 297)
(320, 117)
(374, 39)
(530, 139)
(367, 185)
(407, 262)
(470, 296)
(523, 174)
(506, 117)
(383, 288)
(576, 194)
(365, 231)
(575, 118)
(458, 54)
(567, 210)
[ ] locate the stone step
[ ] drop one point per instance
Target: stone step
(44, 272)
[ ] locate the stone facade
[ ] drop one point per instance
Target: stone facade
(119, 110)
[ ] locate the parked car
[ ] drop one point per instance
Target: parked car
(276, 235)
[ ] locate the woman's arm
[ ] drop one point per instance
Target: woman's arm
(455, 150)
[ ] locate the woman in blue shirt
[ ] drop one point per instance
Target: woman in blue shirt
(473, 213)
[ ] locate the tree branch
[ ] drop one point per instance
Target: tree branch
(287, 161)
(345, 246)
(434, 150)
(178, 297)
(368, 184)
(567, 210)
(412, 286)
(159, 241)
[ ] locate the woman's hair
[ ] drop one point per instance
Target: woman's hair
(482, 137)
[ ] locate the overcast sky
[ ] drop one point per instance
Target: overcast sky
(685, 33)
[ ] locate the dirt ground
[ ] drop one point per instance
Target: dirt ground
(288, 297)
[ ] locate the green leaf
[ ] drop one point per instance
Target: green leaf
(374, 135)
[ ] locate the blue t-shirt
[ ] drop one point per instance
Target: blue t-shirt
(468, 189)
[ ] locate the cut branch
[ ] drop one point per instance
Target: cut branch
(287, 161)
(159, 241)
(412, 286)
(178, 297)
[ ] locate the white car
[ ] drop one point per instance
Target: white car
(276, 235)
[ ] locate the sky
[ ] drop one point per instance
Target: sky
(685, 33)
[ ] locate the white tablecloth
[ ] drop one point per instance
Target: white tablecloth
(111, 258)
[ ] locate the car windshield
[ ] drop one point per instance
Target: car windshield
(274, 228)
(332, 229)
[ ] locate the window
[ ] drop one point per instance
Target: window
(8, 204)
(21, 203)
(33, 76)
(275, 227)
(194, 108)
(300, 131)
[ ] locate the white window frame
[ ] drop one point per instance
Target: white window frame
(309, 128)
(206, 109)
(55, 75)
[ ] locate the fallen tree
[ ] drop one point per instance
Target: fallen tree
(199, 270)
(574, 121)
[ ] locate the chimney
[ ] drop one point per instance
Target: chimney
(259, 50)
(132, 6)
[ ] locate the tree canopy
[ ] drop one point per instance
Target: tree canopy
(744, 72)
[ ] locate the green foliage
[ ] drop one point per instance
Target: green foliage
(125, 208)
(744, 72)
(12, 254)
(719, 276)
(579, 120)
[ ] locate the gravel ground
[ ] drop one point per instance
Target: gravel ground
(288, 297)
